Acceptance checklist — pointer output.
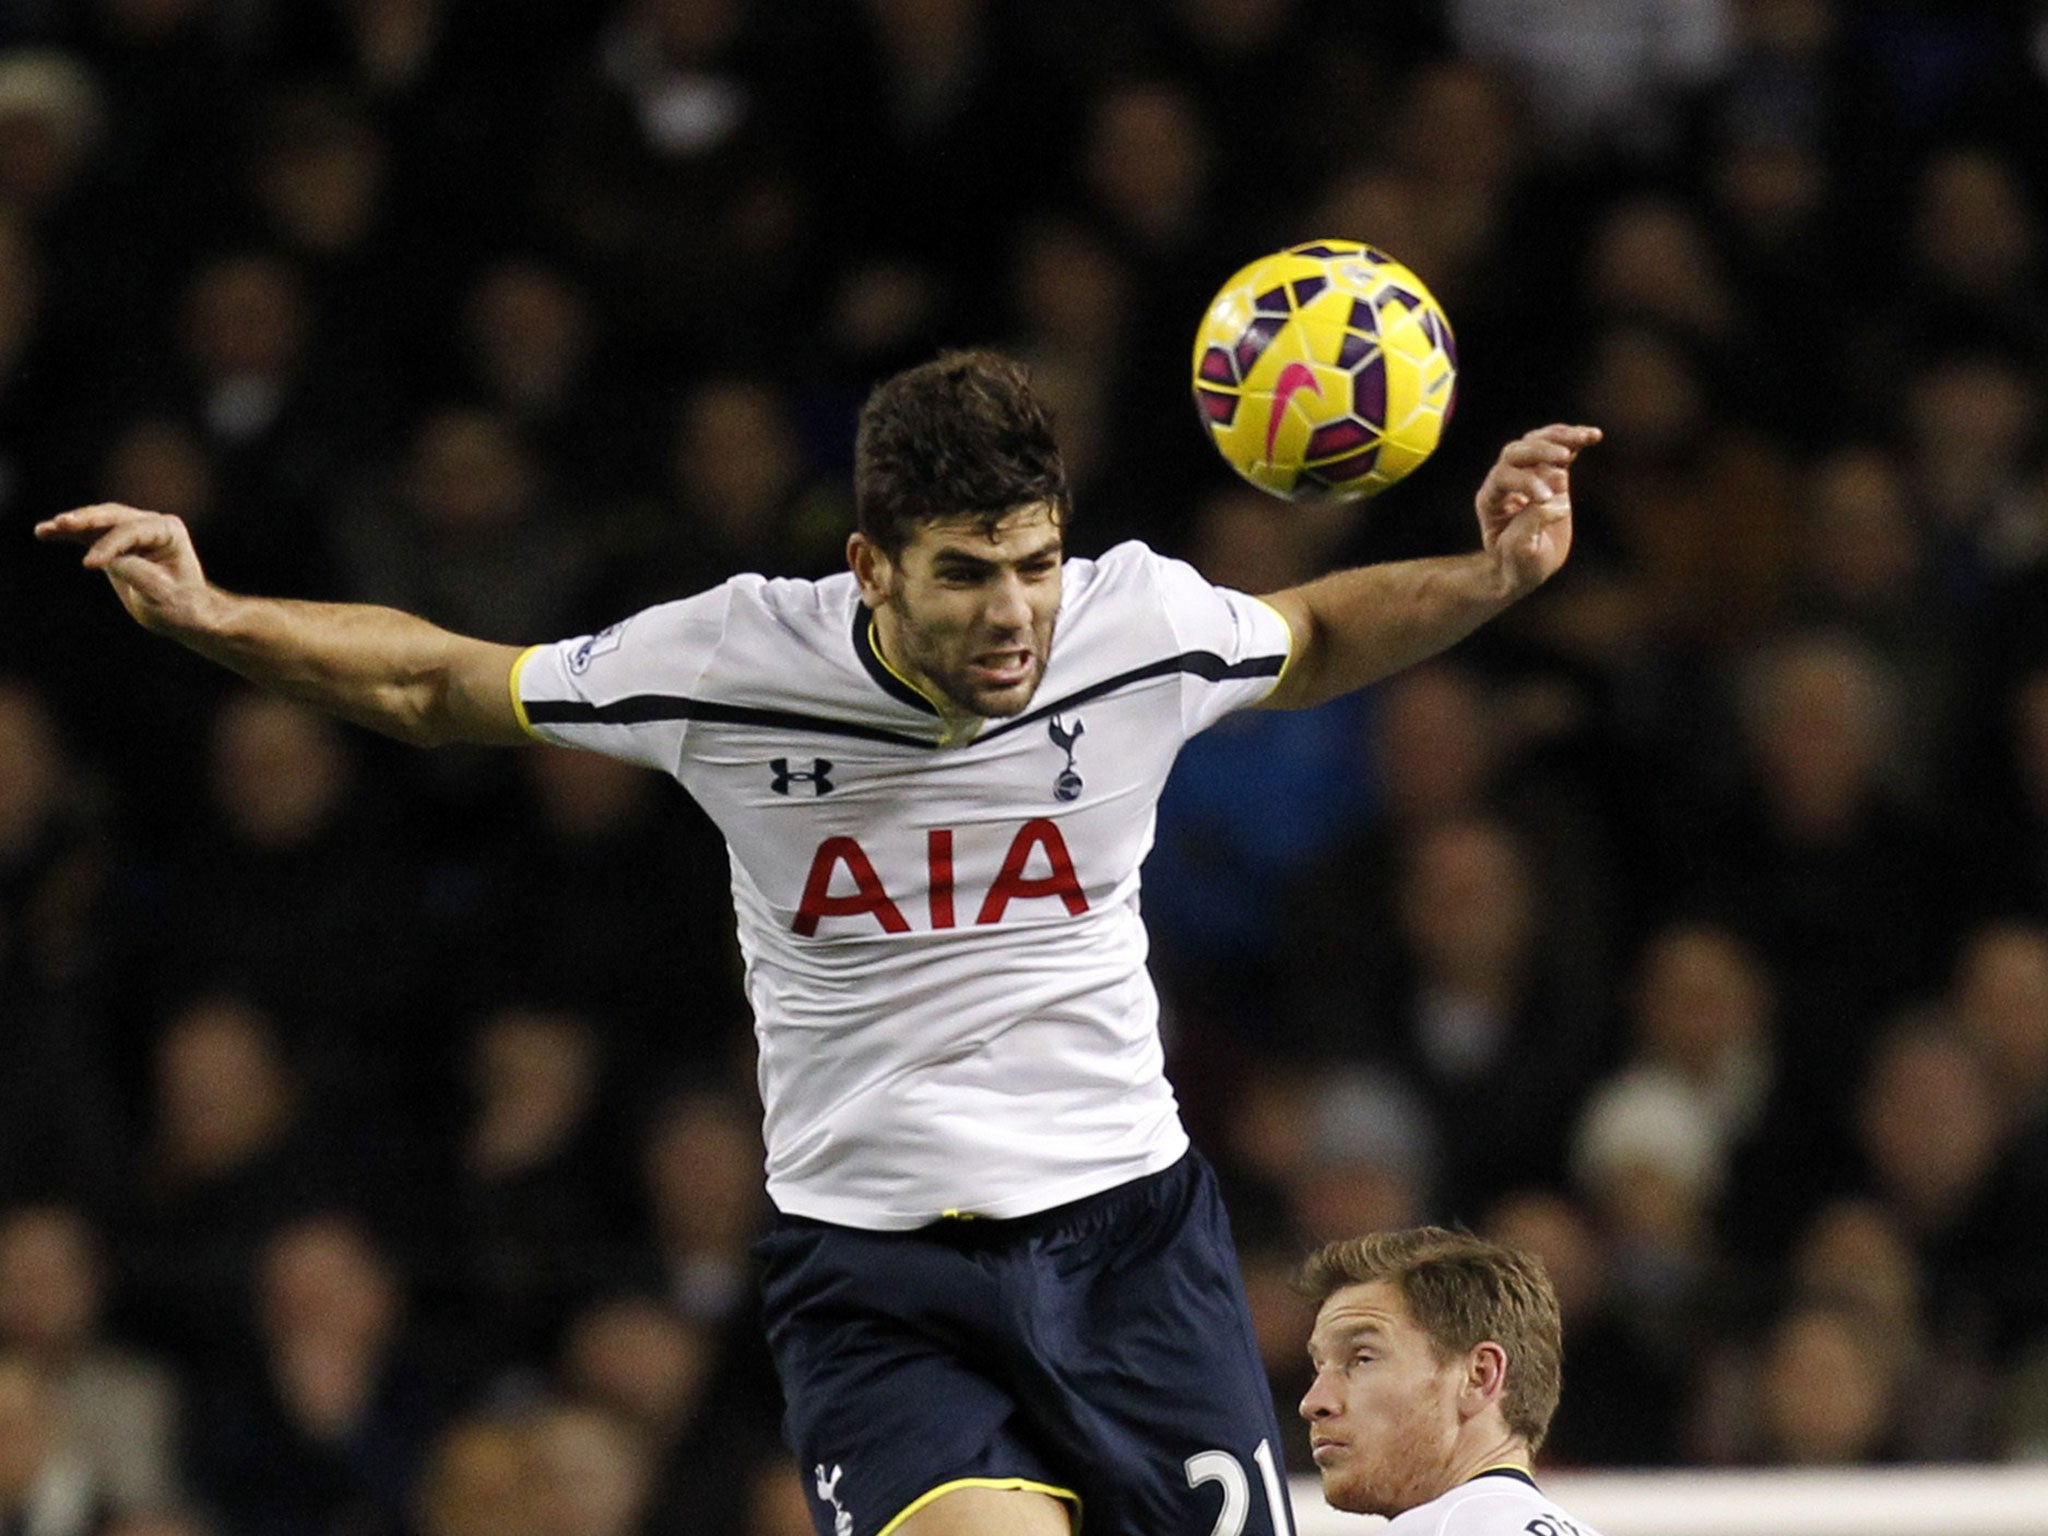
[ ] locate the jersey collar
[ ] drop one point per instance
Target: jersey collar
(954, 730)
(1516, 1473)
(891, 682)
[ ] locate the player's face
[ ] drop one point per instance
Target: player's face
(1383, 1413)
(966, 611)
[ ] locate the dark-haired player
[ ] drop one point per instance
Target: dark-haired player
(1002, 1288)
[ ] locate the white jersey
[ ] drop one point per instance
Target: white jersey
(942, 943)
(1499, 1502)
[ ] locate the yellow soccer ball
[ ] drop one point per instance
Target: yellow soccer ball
(1325, 371)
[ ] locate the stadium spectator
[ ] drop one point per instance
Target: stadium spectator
(592, 1475)
(1823, 1397)
(1932, 1142)
(1824, 868)
(532, 1222)
(1630, 1370)
(255, 375)
(1857, 1255)
(477, 1480)
(232, 1151)
(1476, 976)
(1605, 79)
(699, 1162)
(1688, 1124)
(1373, 1157)
(295, 868)
(46, 1488)
(327, 1425)
(466, 525)
(118, 1410)
(639, 1360)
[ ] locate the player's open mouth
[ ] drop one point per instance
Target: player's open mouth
(1001, 669)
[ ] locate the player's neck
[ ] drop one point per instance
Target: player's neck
(1500, 1451)
(959, 724)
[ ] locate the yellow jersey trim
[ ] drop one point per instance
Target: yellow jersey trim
(875, 645)
(512, 682)
(955, 728)
(1281, 675)
(1008, 1484)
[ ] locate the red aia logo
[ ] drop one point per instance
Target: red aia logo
(870, 896)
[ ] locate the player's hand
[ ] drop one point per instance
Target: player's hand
(1525, 504)
(149, 558)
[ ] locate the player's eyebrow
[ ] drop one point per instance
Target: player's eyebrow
(966, 560)
(1344, 1339)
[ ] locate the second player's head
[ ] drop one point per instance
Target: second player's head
(962, 499)
(1437, 1355)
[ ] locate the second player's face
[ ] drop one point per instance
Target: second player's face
(967, 610)
(1383, 1412)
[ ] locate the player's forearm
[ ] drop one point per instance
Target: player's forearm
(390, 671)
(1352, 628)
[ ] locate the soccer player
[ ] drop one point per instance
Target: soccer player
(1001, 1290)
(1437, 1359)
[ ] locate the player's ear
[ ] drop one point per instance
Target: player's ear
(1486, 1376)
(872, 568)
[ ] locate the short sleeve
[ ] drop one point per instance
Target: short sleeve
(625, 691)
(1235, 645)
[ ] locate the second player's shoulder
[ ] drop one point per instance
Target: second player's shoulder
(1492, 1504)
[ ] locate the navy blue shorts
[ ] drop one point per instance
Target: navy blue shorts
(1100, 1351)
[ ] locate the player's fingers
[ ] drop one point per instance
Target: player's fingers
(86, 523)
(1531, 451)
(1549, 445)
(1572, 440)
(144, 536)
(1511, 481)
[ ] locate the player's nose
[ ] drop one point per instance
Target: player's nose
(1318, 1402)
(1008, 605)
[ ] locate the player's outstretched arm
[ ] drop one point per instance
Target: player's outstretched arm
(375, 666)
(1355, 627)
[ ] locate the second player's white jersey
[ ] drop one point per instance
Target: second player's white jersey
(1501, 1502)
(942, 942)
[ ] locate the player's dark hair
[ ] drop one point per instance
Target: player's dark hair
(961, 435)
(1463, 1291)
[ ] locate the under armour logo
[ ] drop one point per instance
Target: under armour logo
(1068, 785)
(818, 776)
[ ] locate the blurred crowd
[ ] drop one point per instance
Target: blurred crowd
(378, 1151)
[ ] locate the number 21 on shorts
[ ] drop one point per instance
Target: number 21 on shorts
(1222, 1467)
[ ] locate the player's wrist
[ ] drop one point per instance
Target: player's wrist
(1500, 578)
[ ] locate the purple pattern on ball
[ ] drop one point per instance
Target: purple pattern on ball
(1338, 437)
(1369, 390)
(1353, 468)
(1257, 337)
